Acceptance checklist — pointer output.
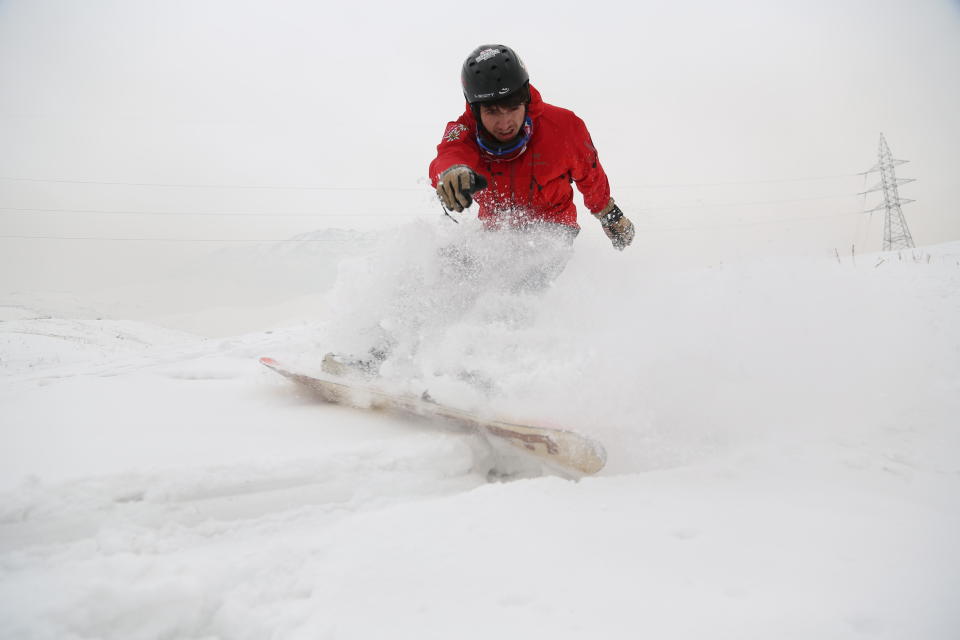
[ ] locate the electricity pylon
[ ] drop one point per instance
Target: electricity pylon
(896, 235)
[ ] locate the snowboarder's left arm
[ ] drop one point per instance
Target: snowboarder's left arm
(592, 182)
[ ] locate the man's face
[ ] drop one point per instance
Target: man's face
(503, 122)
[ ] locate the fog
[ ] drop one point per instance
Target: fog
(140, 135)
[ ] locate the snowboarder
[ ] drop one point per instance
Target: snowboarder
(516, 155)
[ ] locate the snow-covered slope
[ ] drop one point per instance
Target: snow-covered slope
(783, 440)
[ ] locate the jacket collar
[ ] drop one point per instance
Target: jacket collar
(535, 108)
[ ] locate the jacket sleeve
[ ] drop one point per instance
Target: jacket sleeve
(456, 147)
(589, 175)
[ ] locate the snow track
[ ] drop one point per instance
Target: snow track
(182, 458)
(335, 482)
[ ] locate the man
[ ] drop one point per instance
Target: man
(516, 155)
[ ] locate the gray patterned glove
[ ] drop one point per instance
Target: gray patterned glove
(457, 185)
(616, 225)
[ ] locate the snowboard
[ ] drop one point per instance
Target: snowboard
(565, 451)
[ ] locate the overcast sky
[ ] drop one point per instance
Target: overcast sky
(729, 128)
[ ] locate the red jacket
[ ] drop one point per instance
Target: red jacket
(536, 184)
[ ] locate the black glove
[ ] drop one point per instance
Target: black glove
(616, 225)
(457, 185)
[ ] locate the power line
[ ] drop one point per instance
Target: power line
(746, 203)
(114, 239)
(202, 213)
(380, 215)
(213, 186)
(652, 209)
(734, 182)
(397, 188)
(751, 223)
(225, 240)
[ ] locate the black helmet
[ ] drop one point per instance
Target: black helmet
(492, 72)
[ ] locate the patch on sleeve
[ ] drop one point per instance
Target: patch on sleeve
(454, 131)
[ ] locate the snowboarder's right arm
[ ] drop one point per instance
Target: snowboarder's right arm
(456, 185)
(454, 172)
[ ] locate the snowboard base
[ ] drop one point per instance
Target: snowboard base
(566, 451)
